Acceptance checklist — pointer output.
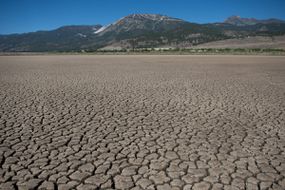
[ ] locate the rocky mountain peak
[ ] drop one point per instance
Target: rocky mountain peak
(237, 20)
(141, 18)
(139, 22)
(155, 17)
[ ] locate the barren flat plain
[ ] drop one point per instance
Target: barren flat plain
(142, 122)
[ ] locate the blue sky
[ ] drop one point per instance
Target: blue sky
(17, 16)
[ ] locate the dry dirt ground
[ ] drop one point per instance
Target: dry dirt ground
(142, 122)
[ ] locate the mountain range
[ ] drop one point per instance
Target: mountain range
(139, 31)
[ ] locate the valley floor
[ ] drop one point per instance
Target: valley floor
(142, 122)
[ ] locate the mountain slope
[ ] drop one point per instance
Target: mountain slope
(139, 31)
(238, 21)
(276, 42)
(65, 38)
(149, 30)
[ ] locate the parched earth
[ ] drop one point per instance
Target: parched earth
(142, 122)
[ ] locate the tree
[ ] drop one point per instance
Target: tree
(133, 44)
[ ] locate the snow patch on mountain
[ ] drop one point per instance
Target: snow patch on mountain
(81, 35)
(101, 29)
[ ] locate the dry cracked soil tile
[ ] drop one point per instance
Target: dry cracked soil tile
(142, 122)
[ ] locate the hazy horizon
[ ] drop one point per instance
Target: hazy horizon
(31, 15)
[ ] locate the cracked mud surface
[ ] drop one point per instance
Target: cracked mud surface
(142, 122)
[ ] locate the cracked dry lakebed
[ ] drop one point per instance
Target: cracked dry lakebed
(142, 122)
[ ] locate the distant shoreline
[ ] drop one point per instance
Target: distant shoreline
(202, 51)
